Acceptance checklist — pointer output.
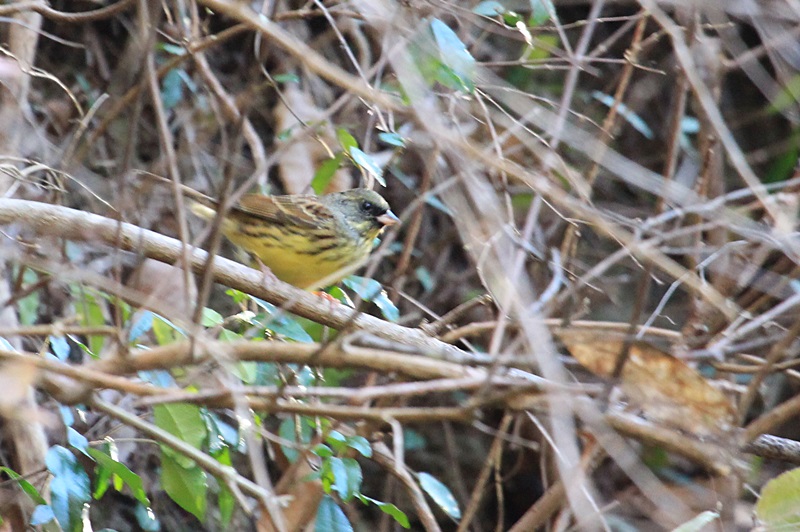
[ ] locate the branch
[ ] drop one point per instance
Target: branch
(54, 220)
(301, 51)
(715, 457)
(227, 474)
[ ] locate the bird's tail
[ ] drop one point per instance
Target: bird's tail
(201, 210)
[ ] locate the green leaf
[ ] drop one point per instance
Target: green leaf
(226, 502)
(326, 476)
(221, 435)
(336, 440)
(182, 420)
(83, 347)
(288, 431)
(340, 295)
(447, 77)
(187, 486)
(371, 290)
(42, 514)
(437, 204)
(246, 371)
(146, 519)
(227, 335)
(287, 326)
(511, 19)
(143, 322)
(395, 512)
(6, 345)
(77, 440)
(387, 508)
(360, 444)
(103, 479)
(336, 377)
(347, 477)
(637, 122)
(413, 440)
(131, 479)
(279, 322)
(90, 314)
(440, 494)
(698, 523)
(547, 43)
(69, 487)
(368, 164)
(347, 140)
(541, 11)
(286, 78)
(157, 377)
(788, 97)
(325, 173)
(171, 89)
(690, 125)
(489, 9)
(656, 458)
(424, 277)
(305, 376)
(331, 518)
(28, 306)
(211, 318)
(172, 49)
(237, 296)
(165, 331)
(322, 450)
(286, 134)
(392, 139)
(60, 347)
(778, 508)
(26, 486)
(459, 66)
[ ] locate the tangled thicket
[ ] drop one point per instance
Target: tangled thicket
(589, 310)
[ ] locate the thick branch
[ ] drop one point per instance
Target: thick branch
(54, 220)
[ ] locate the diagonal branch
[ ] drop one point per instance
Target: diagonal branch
(54, 220)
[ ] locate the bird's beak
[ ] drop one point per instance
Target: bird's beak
(388, 218)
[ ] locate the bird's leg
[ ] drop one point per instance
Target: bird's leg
(326, 296)
(269, 276)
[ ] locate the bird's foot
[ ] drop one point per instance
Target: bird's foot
(268, 276)
(326, 296)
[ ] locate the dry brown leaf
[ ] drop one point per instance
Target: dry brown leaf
(665, 388)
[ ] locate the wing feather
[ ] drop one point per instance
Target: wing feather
(303, 211)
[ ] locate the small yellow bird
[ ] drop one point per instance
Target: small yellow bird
(307, 241)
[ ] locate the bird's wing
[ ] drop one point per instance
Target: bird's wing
(300, 210)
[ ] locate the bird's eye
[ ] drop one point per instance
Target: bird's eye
(367, 206)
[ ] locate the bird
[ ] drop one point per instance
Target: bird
(308, 241)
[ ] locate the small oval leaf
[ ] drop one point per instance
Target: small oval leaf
(778, 508)
(368, 164)
(331, 518)
(440, 494)
(347, 140)
(393, 139)
(460, 65)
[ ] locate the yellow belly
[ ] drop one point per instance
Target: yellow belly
(294, 260)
